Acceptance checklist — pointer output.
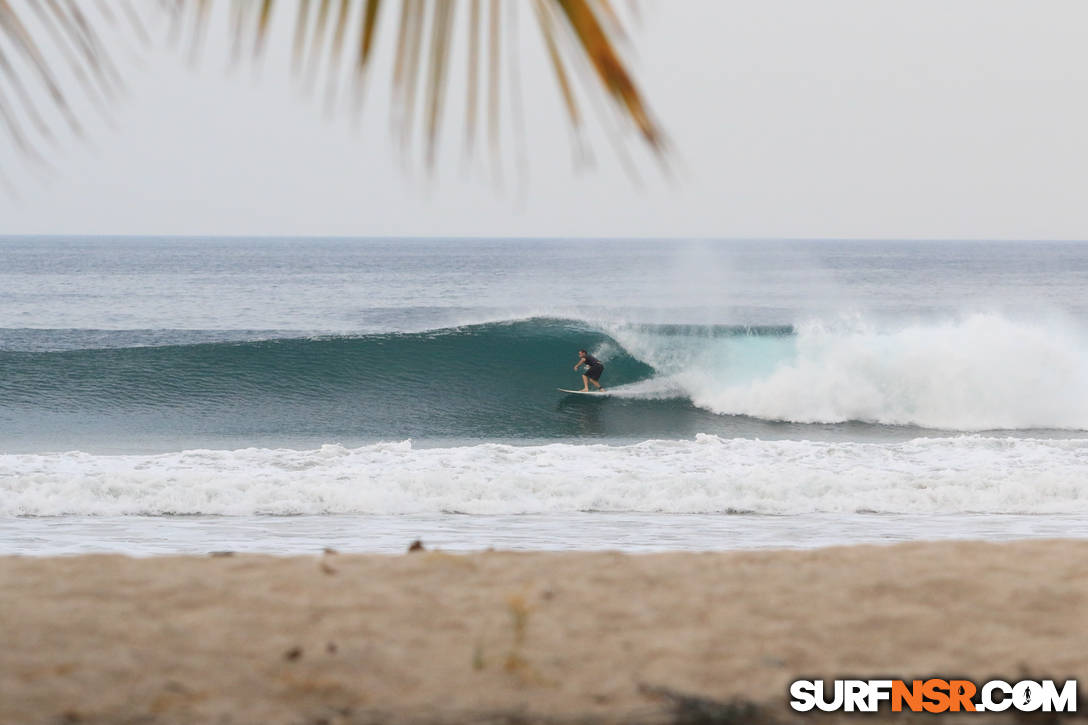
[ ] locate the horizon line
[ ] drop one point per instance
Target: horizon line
(469, 237)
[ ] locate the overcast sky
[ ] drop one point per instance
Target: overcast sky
(838, 118)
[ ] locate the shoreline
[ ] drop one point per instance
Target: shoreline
(306, 534)
(538, 636)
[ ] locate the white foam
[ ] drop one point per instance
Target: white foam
(708, 474)
(980, 372)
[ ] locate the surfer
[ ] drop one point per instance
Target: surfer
(594, 368)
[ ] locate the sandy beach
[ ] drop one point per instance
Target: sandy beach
(494, 636)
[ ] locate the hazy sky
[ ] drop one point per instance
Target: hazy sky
(838, 118)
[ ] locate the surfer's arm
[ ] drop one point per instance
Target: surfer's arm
(580, 363)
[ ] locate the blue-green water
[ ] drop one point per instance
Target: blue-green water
(249, 377)
(494, 381)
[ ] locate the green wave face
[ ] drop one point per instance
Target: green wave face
(491, 381)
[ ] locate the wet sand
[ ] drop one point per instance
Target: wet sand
(526, 637)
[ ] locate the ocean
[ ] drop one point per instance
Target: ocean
(163, 395)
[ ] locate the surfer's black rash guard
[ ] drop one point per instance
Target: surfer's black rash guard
(595, 368)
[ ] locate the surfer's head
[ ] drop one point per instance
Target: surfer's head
(582, 353)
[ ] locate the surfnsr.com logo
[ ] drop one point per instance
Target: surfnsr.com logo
(933, 695)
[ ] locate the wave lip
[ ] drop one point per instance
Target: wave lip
(968, 474)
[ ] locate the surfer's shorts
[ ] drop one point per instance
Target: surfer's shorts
(594, 372)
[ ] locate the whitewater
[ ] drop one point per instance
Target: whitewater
(971, 474)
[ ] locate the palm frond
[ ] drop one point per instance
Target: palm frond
(51, 52)
(37, 37)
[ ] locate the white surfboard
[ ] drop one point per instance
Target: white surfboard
(583, 392)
